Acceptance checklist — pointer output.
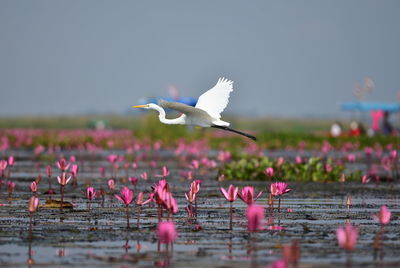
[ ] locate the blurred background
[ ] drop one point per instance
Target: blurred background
(290, 60)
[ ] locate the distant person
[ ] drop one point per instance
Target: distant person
(336, 129)
(356, 129)
(387, 128)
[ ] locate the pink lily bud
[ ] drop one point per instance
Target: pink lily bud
(166, 232)
(134, 165)
(112, 158)
(255, 217)
(74, 170)
(111, 184)
(280, 161)
(11, 161)
(269, 171)
(10, 186)
(33, 187)
(347, 236)
(133, 180)
(90, 193)
(33, 204)
(144, 176)
(3, 164)
(384, 215)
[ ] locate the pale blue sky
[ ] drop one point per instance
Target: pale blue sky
(287, 58)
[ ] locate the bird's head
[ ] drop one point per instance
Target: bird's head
(145, 106)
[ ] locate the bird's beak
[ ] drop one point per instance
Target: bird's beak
(140, 106)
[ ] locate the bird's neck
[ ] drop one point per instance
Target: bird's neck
(177, 121)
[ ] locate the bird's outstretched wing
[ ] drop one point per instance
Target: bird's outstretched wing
(216, 99)
(181, 107)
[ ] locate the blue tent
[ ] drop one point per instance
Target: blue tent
(371, 106)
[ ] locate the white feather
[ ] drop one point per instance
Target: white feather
(215, 100)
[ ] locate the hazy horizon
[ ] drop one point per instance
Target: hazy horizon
(287, 59)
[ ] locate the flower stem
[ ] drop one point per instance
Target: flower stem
(279, 205)
(230, 222)
(127, 216)
(62, 197)
(138, 216)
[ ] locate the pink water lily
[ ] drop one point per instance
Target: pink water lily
(62, 181)
(247, 195)
(166, 232)
(231, 194)
(126, 196)
(255, 217)
(384, 215)
(62, 165)
(279, 188)
(347, 236)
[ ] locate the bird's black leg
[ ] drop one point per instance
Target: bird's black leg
(235, 131)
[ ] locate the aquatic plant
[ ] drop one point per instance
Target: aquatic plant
(63, 181)
(255, 217)
(231, 196)
(248, 167)
(347, 236)
(278, 189)
(33, 205)
(74, 173)
(140, 202)
(383, 217)
(247, 195)
(291, 253)
(49, 173)
(164, 172)
(166, 232)
(126, 198)
(33, 187)
(90, 194)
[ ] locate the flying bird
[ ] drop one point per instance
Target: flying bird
(206, 113)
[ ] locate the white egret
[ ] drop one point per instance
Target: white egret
(206, 113)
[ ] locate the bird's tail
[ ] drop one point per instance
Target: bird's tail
(235, 131)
